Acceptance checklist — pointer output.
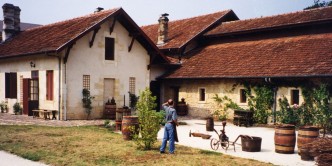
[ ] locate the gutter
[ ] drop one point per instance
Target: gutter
(59, 100)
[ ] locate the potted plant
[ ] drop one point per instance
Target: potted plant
(17, 108)
(3, 107)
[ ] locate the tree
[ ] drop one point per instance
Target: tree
(149, 120)
(319, 4)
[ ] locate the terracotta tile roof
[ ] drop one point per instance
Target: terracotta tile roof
(288, 19)
(300, 56)
(52, 37)
(182, 31)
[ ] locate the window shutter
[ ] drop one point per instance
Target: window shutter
(13, 84)
(49, 85)
(7, 85)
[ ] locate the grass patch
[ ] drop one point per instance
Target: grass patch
(95, 145)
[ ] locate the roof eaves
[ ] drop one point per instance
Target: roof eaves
(252, 77)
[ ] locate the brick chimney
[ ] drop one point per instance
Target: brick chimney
(163, 29)
(11, 21)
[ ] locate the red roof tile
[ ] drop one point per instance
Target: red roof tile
(51, 37)
(182, 31)
(300, 56)
(288, 19)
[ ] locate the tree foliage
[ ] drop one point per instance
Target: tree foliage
(318, 4)
(149, 120)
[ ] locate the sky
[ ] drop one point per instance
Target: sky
(145, 12)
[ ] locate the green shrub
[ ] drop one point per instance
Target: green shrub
(17, 108)
(149, 121)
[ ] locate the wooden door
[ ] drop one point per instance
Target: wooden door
(109, 88)
(33, 95)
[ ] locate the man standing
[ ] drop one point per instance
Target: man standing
(171, 118)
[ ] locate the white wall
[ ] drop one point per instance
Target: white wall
(84, 60)
(22, 67)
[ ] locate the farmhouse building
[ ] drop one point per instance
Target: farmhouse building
(220, 54)
(47, 67)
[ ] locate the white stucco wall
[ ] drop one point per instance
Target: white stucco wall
(22, 67)
(84, 60)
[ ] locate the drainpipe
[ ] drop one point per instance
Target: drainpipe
(59, 57)
(275, 90)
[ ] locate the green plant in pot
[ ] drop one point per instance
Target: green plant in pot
(17, 108)
(3, 107)
(223, 104)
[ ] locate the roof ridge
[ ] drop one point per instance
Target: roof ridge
(76, 18)
(228, 10)
(282, 14)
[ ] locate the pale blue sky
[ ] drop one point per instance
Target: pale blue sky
(146, 12)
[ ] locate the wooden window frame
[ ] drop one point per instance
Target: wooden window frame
(11, 85)
(109, 48)
(49, 85)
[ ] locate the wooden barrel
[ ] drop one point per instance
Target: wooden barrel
(284, 139)
(305, 155)
(109, 112)
(129, 126)
(209, 124)
(181, 109)
(306, 134)
(251, 144)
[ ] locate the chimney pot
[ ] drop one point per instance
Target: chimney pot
(163, 29)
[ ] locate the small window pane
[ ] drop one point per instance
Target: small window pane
(132, 81)
(109, 48)
(201, 94)
(295, 97)
(243, 97)
(86, 82)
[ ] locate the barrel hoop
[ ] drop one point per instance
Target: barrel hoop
(280, 134)
(284, 148)
(307, 136)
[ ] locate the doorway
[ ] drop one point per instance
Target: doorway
(30, 95)
(109, 89)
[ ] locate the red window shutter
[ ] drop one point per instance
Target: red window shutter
(49, 85)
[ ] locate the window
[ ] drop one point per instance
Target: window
(11, 85)
(109, 48)
(49, 85)
(86, 82)
(34, 74)
(132, 85)
(34, 90)
(295, 97)
(243, 97)
(202, 94)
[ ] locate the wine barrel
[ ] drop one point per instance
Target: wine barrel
(306, 134)
(284, 139)
(209, 124)
(129, 126)
(109, 112)
(182, 109)
(251, 144)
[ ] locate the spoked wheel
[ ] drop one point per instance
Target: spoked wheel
(214, 144)
(225, 144)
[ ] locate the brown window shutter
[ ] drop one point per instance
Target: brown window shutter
(49, 85)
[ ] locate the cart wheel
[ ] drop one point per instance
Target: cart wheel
(214, 144)
(225, 144)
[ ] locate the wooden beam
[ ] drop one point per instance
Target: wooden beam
(67, 53)
(112, 26)
(93, 36)
(131, 43)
